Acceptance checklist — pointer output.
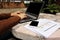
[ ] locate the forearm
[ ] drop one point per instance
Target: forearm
(8, 23)
(5, 15)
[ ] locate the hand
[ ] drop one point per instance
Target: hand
(22, 15)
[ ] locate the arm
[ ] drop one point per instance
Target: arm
(8, 23)
(4, 16)
(11, 21)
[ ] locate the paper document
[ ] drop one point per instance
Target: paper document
(45, 27)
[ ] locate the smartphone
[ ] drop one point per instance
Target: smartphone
(34, 23)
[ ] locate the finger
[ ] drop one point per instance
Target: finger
(22, 12)
(18, 13)
(25, 16)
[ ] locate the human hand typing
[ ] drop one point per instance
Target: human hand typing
(22, 15)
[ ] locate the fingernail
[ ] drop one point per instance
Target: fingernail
(18, 13)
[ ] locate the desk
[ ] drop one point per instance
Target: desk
(22, 33)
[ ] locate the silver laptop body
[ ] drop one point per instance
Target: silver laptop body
(33, 11)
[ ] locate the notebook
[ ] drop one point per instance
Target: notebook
(33, 11)
(45, 27)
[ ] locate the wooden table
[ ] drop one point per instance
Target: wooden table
(19, 31)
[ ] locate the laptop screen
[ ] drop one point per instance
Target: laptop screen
(34, 7)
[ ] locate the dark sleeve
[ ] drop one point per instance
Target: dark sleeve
(8, 23)
(5, 15)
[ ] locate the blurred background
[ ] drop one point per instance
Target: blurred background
(50, 6)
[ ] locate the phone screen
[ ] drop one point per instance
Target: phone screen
(34, 23)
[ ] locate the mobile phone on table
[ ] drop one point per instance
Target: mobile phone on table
(34, 23)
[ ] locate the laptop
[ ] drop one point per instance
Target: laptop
(32, 11)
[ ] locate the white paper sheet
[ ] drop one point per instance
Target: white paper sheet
(45, 27)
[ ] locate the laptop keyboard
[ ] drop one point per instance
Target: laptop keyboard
(25, 19)
(29, 18)
(31, 15)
